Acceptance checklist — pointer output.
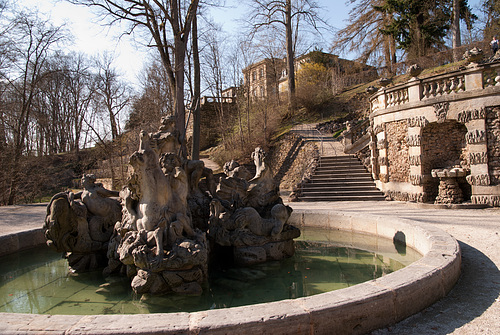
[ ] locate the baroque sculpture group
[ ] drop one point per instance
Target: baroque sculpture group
(164, 228)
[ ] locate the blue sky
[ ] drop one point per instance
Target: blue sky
(92, 38)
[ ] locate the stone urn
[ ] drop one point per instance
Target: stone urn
(384, 82)
(371, 90)
(474, 55)
(415, 70)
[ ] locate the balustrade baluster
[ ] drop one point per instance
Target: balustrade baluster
(453, 85)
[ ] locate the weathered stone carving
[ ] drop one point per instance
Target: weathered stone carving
(156, 241)
(472, 114)
(414, 70)
(382, 143)
(378, 128)
(151, 235)
(414, 140)
(491, 200)
(415, 160)
(473, 55)
(478, 158)
(80, 225)
(417, 179)
(383, 177)
(382, 160)
(479, 180)
(405, 196)
(417, 121)
(476, 136)
(449, 191)
(250, 217)
(441, 110)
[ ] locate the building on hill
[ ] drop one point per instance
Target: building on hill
(269, 76)
(262, 78)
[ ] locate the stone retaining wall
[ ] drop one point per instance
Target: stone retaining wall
(397, 151)
(291, 160)
(448, 121)
(493, 127)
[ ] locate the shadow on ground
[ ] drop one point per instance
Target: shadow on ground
(476, 290)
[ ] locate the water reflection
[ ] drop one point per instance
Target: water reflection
(37, 281)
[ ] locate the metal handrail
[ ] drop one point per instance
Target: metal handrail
(318, 138)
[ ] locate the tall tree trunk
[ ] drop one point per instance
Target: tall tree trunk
(114, 126)
(456, 38)
(179, 108)
(195, 149)
(290, 55)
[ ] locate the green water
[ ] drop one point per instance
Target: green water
(37, 281)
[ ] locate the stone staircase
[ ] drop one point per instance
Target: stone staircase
(340, 178)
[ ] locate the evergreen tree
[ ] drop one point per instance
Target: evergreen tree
(491, 10)
(363, 33)
(419, 27)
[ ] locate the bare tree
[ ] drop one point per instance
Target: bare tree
(214, 75)
(455, 29)
(286, 14)
(65, 96)
(113, 94)
(153, 102)
(154, 16)
(33, 42)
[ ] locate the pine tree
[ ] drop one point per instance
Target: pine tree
(419, 27)
(491, 10)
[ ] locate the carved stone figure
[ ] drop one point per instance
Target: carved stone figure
(250, 216)
(80, 225)
(152, 234)
(155, 240)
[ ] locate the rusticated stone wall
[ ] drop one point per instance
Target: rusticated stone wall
(493, 130)
(398, 158)
(291, 159)
(443, 146)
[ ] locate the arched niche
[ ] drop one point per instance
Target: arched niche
(444, 145)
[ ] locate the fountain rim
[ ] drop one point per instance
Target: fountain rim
(357, 309)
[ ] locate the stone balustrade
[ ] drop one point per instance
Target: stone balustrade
(433, 123)
(445, 86)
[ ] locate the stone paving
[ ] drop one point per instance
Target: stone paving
(473, 306)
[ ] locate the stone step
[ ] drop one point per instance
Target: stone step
(327, 187)
(341, 183)
(336, 172)
(340, 192)
(342, 198)
(340, 158)
(339, 179)
(347, 168)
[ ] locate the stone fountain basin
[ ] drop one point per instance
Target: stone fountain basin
(354, 310)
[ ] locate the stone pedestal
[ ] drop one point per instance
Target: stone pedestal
(449, 191)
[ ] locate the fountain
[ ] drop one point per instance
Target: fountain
(163, 240)
(150, 236)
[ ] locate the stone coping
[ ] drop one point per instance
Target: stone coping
(354, 310)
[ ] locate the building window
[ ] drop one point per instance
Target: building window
(262, 91)
(254, 75)
(261, 73)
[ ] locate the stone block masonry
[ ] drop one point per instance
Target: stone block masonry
(441, 129)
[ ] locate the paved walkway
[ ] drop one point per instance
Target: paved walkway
(472, 307)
